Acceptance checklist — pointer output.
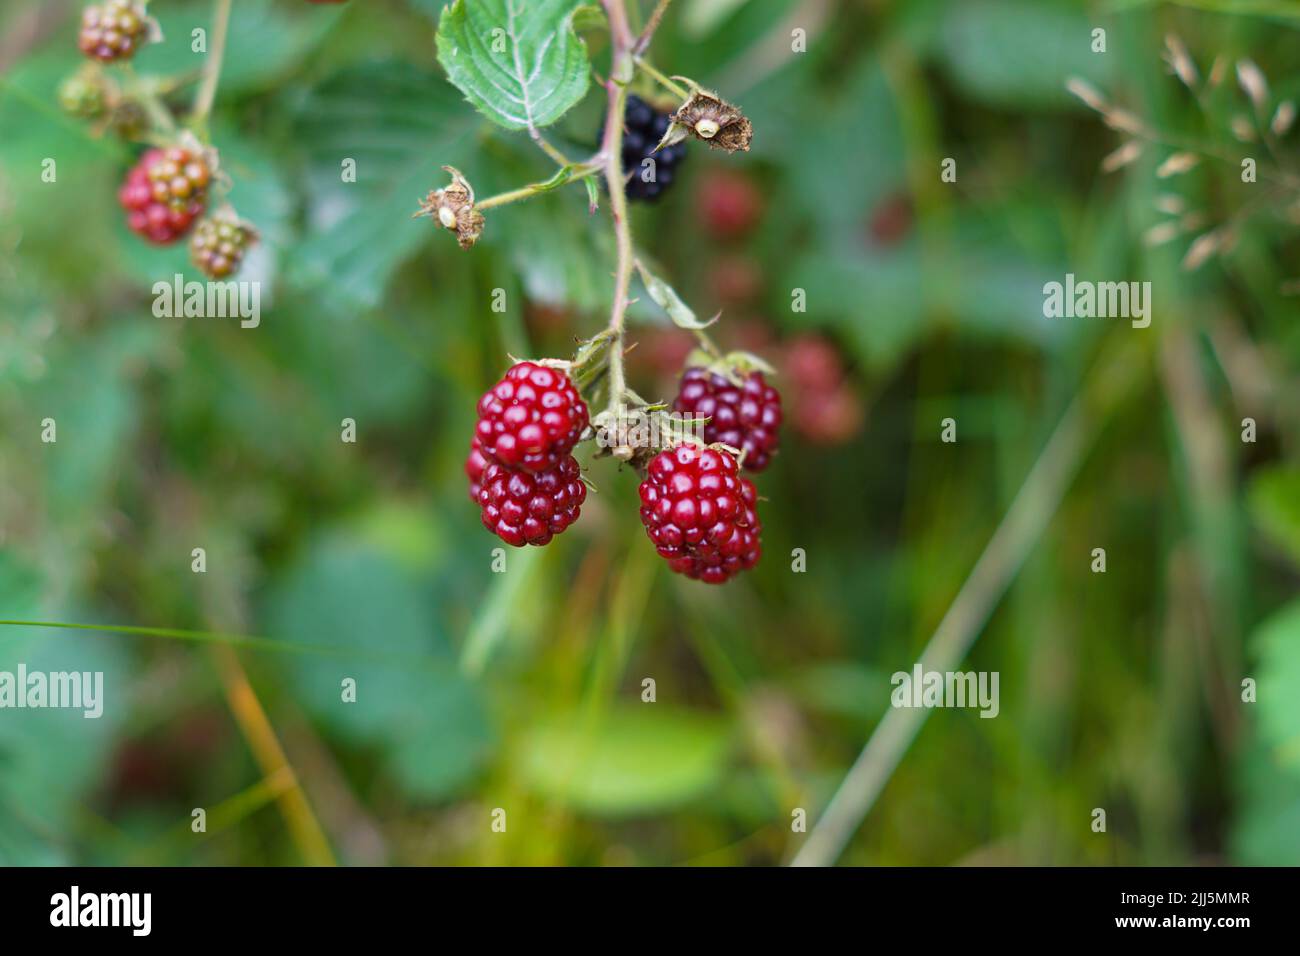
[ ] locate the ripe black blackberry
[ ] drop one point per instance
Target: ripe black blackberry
(643, 128)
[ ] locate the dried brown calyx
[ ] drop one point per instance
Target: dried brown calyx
(453, 207)
(710, 118)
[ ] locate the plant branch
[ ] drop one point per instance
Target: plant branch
(212, 66)
(643, 41)
(545, 145)
(620, 74)
(569, 174)
(672, 87)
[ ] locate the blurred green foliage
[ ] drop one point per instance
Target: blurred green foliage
(523, 690)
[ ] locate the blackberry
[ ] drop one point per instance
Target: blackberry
(531, 419)
(475, 465)
(164, 193)
(522, 507)
(113, 30)
(83, 95)
(700, 513)
(744, 416)
(218, 245)
(643, 128)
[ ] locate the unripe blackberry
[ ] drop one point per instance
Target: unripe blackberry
(82, 95)
(218, 245)
(531, 419)
(164, 193)
(700, 513)
(745, 416)
(643, 128)
(523, 507)
(113, 30)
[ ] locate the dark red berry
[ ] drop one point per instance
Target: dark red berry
(744, 416)
(113, 30)
(523, 507)
(730, 204)
(164, 193)
(700, 513)
(531, 419)
(474, 467)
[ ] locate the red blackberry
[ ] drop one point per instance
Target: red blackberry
(744, 416)
(474, 466)
(218, 245)
(522, 507)
(531, 419)
(700, 513)
(643, 128)
(113, 30)
(164, 193)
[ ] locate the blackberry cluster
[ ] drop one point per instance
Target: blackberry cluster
(113, 30)
(521, 471)
(164, 193)
(218, 245)
(744, 416)
(700, 513)
(643, 128)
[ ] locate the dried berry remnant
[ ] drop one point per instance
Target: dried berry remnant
(644, 127)
(744, 416)
(129, 120)
(113, 30)
(218, 245)
(453, 208)
(522, 507)
(710, 118)
(700, 513)
(165, 192)
(531, 419)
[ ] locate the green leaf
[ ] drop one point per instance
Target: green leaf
(637, 759)
(1277, 644)
(520, 63)
(399, 124)
(1274, 499)
(668, 300)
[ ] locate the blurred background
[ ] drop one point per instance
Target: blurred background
(522, 690)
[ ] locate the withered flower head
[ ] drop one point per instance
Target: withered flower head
(712, 119)
(453, 207)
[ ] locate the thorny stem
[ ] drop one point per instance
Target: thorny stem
(672, 87)
(620, 74)
(643, 41)
(212, 66)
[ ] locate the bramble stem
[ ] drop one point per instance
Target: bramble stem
(570, 174)
(546, 147)
(620, 74)
(212, 66)
(675, 88)
(643, 41)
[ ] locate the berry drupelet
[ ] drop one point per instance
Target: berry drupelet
(643, 128)
(700, 513)
(531, 419)
(744, 416)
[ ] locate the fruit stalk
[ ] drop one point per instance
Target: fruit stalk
(620, 74)
(212, 67)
